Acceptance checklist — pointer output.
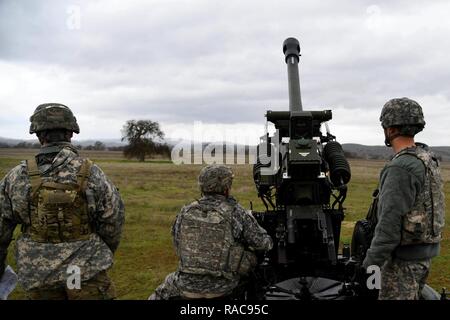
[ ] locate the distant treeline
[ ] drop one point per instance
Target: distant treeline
(36, 145)
(165, 150)
(97, 146)
(21, 145)
(373, 156)
(161, 149)
(355, 155)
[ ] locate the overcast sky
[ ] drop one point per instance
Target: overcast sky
(221, 63)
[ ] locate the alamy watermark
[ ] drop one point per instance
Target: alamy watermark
(374, 280)
(73, 20)
(74, 278)
(374, 20)
(228, 148)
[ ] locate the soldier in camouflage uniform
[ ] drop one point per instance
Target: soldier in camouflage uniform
(71, 215)
(215, 239)
(410, 210)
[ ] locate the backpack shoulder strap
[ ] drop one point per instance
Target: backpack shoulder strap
(34, 175)
(414, 154)
(406, 151)
(83, 174)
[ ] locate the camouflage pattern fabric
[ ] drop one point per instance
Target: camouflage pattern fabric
(50, 116)
(402, 112)
(215, 179)
(168, 289)
(100, 287)
(425, 222)
(212, 251)
(403, 280)
(59, 212)
(246, 233)
(44, 265)
(179, 285)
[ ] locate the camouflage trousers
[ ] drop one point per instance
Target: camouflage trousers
(167, 290)
(181, 286)
(403, 280)
(100, 287)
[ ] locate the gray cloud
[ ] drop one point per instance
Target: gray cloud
(221, 62)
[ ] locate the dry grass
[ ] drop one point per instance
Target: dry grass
(154, 192)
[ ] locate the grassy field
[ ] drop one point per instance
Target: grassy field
(155, 191)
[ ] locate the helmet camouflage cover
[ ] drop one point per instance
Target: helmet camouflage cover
(215, 179)
(402, 112)
(53, 116)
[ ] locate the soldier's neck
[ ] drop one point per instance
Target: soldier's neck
(402, 142)
(57, 143)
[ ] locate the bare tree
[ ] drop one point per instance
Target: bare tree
(143, 137)
(99, 146)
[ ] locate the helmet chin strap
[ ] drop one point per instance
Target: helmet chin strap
(388, 139)
(387, 143)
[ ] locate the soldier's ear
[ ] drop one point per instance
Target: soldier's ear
(393, 131)
(40, 137)
(69, 135)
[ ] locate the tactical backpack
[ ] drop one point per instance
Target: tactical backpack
(59, 211)
(206, 244)
(425, 222)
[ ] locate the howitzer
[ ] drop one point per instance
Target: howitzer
(301, 176)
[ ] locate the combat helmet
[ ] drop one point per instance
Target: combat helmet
(53, 116)
(215, 179)
(403, 112)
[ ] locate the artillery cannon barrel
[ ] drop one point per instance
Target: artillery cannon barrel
(291, 49)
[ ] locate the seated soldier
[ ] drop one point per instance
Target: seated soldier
(214, 239)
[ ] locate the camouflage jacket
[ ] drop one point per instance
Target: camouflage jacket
(403, 192)
(44, 265)
(246, 232)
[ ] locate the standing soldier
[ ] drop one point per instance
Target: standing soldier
(214, 239)
(410, 205)
(71, 215)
